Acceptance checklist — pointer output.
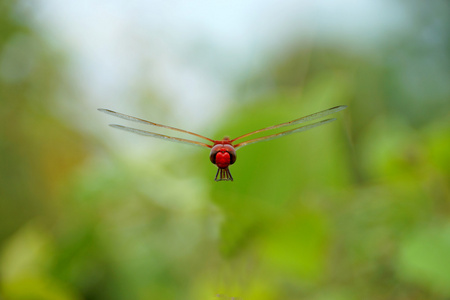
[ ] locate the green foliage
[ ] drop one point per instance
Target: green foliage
(424, 260)
(356, 209)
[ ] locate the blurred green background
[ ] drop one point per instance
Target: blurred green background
(357, 209)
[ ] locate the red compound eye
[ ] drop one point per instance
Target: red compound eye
(222, 155)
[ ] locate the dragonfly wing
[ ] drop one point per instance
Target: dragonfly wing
(160, 136)
(308, 118)
(275, 136)
(134, 119)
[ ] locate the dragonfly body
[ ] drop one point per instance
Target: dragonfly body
(222, 155)
(223, 152)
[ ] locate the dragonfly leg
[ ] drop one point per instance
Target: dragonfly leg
(223, 174)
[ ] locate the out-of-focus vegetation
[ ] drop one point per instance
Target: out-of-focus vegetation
(357, 209)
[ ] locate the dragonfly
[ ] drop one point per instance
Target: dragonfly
(223, 152)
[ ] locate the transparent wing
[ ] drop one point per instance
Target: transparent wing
(134, 119)
(308, 118)
(160, 136)
(275, 136)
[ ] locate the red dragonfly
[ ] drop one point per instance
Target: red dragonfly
(223, 152)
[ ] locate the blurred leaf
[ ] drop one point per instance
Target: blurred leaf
(27, 252)
(424, 258)
(25, 266)
(296, 243)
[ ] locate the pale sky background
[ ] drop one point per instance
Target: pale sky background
(191, 53)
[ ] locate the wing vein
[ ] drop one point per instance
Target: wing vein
(307, 118)
(160, 136)
(277, 135)
(142, 121)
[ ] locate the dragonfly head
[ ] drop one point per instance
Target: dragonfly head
(222, 155)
